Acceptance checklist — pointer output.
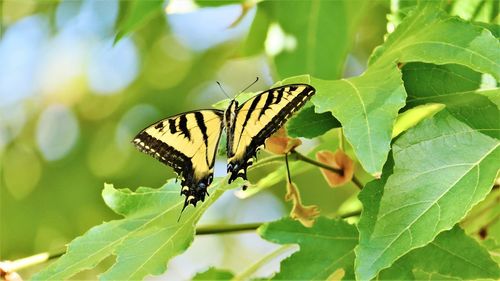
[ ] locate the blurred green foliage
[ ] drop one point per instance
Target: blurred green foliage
(80, 78)
(46, 203)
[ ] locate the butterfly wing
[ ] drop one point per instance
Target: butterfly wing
(257, 119)
(188, 143)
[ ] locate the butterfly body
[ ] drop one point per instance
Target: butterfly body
(188, 142)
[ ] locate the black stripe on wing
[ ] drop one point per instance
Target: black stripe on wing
(238, 167)
(172, 135)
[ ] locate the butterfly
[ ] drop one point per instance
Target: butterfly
(188, 141)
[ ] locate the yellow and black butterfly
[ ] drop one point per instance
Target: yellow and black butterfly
(188, 141)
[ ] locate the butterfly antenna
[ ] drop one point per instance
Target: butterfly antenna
(251, 84)
(222, 89)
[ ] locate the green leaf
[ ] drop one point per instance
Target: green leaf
(456, 87)
(424, 81)
(367, 107)
(454, 254)
(442, 169)
(214, 274)
(429, 35)
(413, 116)
(143, 241)
(133, 14)
(309, 124)
(320, 29)
(326, 247)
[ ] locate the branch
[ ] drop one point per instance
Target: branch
(14, 266)
(217, 229)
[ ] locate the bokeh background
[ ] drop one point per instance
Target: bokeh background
(71, 100)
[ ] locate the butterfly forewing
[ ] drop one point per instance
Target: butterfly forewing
(257, 119)
(188, 143)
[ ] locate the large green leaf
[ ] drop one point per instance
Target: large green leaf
(367, 105)
(456, 87)
(321, 29)
(326, 247)
(452, 253)
(442, 168)
(143, 241)
(429, 35)
(423, 81)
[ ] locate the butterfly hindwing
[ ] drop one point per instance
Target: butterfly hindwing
(257, 119)
(188, 143)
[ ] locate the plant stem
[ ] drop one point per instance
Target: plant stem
(294, 155)
(215, 229)
(304, 158)
(247, 274)
(26, 262)
(357, 182)
(341, 139)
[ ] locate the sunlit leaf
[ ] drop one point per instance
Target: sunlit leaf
(143, 241)
(367, 105)
(324, 249)
(442, 169)
(451, 253)
(413, 116)
(440, 39)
